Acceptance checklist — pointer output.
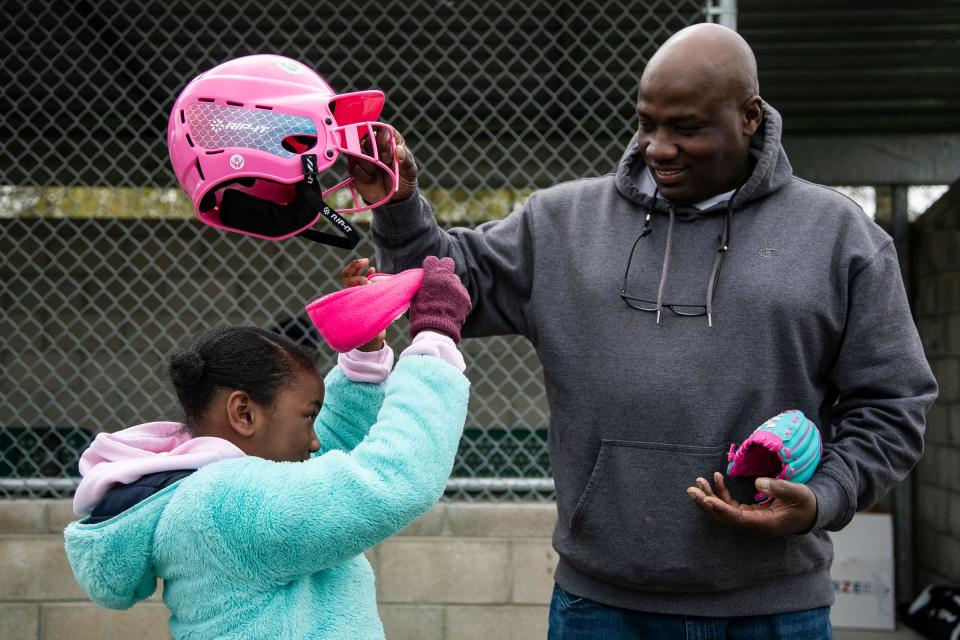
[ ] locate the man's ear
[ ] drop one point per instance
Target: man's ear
(752, 115)
(242, 413)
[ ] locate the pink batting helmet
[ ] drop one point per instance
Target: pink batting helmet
(259, 128)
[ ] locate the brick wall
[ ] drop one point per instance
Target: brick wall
(935, 255)
(461, 572)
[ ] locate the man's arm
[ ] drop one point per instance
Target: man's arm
(494, 261)
(885, 389)
(884, 386)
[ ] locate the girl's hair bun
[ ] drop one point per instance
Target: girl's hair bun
(186, 368)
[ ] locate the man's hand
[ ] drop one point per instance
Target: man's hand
(792, 507)
(356, 274)
(371, 182)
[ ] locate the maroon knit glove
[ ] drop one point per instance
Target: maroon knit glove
(442, 303)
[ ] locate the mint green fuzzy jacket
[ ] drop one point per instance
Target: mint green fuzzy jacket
(250, 548)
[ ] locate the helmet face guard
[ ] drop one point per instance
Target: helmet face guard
(262, 125)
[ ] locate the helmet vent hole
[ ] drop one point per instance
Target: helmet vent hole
(200, 171)
(205, 100)
(214, 152)
(263, 106)
(183, 118)
(299, 143)
(234, 104)
(189, 140)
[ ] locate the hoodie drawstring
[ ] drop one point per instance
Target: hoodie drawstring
(724, 245)
(666, 262)
(717, 262)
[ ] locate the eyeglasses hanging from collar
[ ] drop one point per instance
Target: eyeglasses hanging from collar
(657, 306)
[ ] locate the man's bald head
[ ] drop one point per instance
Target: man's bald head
(709, 55)
(698, 107)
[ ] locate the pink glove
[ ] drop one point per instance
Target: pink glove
(442, 303)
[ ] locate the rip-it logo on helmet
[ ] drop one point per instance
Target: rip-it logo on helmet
(223, 125)
(249, 139)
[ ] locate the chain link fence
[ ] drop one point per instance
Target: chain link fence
(104, 271)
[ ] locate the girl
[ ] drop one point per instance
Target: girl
(256, 511)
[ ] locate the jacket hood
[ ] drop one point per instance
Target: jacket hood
(771, 169)
(113, 560)
(124, 456)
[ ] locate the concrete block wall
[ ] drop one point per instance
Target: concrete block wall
(461, 572)
(935, 266)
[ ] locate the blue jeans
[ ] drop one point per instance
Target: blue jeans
(576, 618)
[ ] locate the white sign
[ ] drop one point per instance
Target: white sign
(862, 573)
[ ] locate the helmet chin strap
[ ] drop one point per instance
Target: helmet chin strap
(350, 237)
(348, 240)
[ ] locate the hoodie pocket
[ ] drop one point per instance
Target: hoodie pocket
(635, 525)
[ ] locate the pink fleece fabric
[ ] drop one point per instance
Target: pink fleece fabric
(125, 456)
(367, 366)
(353, 316)
(375, 366)
(431, 343)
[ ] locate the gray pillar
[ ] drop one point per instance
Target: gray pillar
(901, 216)
(903, 493)
(722, 12)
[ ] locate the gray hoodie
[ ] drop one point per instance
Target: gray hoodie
(809, 312)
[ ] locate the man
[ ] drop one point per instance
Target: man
(675, 306)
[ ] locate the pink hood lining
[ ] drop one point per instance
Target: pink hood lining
(127, 455)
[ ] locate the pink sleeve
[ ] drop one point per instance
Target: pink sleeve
(430, 343)
(367, 366)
